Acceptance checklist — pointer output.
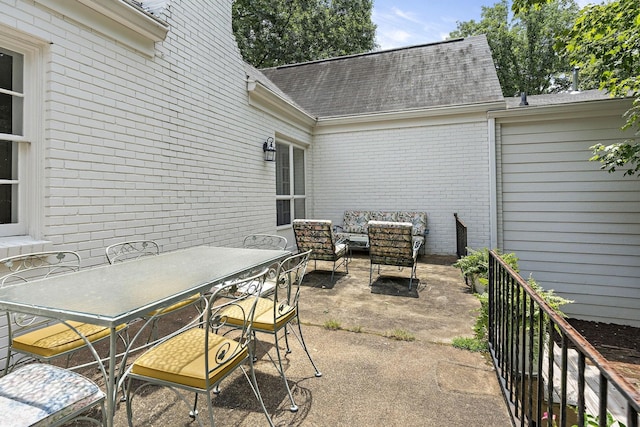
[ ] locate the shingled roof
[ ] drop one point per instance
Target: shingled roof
(449, 73)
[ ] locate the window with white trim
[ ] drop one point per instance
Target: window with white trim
(290, 183)
(20, 63)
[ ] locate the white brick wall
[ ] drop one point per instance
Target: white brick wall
(163, 148)
(438, 167)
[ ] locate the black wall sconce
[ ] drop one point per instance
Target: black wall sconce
(269, 150)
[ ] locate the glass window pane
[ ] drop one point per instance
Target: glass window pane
(299, 210)
(8, 192)
(11, 106)
(8, 169)
(298, 172)
(283, 208)
(283, 185)
(8, 204)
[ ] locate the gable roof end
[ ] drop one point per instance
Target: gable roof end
(454, 72)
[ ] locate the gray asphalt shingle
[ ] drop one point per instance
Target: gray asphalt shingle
(448, 73)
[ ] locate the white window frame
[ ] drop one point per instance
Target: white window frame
(30, 144)
(292, 197)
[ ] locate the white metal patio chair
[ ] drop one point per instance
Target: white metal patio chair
(199, 356)
(136, 249)
(42, 394)
(40, 338)
(264, 241)
(276, 311)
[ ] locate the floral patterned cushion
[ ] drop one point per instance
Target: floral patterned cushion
(355, 222)
(391, 243)
(317, 235)
(39, 394)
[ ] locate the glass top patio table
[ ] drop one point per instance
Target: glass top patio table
(114, 294)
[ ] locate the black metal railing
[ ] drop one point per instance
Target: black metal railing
(549, 374)
(461, 237)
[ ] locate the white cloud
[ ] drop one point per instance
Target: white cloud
(399, 28)
(408, 16)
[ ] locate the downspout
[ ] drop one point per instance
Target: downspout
(493, 199)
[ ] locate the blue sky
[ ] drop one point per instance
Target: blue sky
(411, 22)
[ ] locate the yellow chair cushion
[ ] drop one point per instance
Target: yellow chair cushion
(263, 319)
(59, 338)
(176, 306)
(181, 359)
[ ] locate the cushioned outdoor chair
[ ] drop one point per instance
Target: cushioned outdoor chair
(318, 237)
(136, 249)
(199, 356)
(276, 311)
(391, 243)
(39, 338)
(47, 395)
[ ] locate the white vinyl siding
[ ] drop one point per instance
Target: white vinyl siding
(574, 227)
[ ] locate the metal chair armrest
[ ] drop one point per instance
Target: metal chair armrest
(416, 248)
(342, 240)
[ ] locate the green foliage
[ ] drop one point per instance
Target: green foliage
(592, 421)
(276, 32)
(476, 263)
(400, 335)
(522, 44)
(549, 296)
(332, 325)
(604, 42)
(470, 344)
(481, 327)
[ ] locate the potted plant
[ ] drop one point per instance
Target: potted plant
(475, 267)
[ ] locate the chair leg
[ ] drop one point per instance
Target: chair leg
(294, 407)
(333, 271)
(300, 338)
(254, 386)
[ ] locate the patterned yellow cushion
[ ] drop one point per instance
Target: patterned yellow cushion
(181, 359)
(57, 339)
(264, 318)
(176, 306)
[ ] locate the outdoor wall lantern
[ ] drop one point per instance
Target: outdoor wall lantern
(269, 150)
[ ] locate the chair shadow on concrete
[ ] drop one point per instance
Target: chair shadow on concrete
(322, 279)
(396, 286)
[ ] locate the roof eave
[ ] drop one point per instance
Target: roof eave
(445, 110)
(605, 107)
(270, 102)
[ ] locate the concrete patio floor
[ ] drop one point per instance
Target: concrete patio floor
(368, 378)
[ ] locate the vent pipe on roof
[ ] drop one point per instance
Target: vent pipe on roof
(523, 99)
(575, 79)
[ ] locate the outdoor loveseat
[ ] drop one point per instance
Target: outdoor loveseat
(355, 225)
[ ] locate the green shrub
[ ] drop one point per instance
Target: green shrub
(476, 263)
(470, 344)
